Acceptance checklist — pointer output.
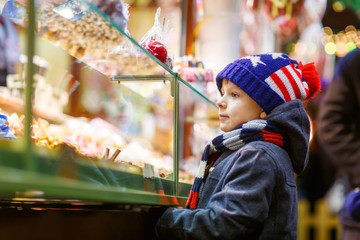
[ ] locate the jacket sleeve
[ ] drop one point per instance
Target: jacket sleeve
(339, 127)
(352, 204)
(236, 211)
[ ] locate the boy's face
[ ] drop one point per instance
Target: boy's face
(236, 107)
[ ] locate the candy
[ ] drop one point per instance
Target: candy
(157, 49)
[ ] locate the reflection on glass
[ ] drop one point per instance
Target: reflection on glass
(198, 126)
(89, 129)
(93, 37)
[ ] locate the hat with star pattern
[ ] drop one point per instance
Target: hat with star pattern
(272, 79)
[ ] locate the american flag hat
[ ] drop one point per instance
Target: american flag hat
(272, 79)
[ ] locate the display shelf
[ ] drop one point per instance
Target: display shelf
(88, 177)
(13, 104)
(47, 187)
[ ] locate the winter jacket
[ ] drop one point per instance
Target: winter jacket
(339, 123)
(251, 192)
(339, 119)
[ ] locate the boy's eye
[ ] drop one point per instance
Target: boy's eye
(234, 95)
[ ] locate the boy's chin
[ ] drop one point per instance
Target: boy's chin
(225, 129)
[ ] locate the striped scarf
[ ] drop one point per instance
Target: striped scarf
(256, 130)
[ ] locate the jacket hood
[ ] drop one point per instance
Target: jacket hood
(294, 118)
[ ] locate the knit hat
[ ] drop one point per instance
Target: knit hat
(272, 79)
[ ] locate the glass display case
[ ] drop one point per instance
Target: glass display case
(95, 117)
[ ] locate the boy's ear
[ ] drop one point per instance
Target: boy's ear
(263, 114)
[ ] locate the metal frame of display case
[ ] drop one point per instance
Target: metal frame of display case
(28, 183)
(28, 87)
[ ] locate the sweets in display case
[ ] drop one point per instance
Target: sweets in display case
(91, 38)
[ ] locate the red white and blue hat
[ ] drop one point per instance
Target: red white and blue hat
(272, 79)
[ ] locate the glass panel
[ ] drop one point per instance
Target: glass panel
(103, 114)
(87, 128)
(87, 33)
(198, 124)
(12, 92)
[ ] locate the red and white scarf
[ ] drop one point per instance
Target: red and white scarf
(256, 130)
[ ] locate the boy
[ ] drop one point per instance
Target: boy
(245, 187)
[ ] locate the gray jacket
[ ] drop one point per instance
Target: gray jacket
(250, 193)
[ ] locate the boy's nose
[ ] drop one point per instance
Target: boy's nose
(221, 103)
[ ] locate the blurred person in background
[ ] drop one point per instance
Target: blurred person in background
(339, 130)
(9, 46)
